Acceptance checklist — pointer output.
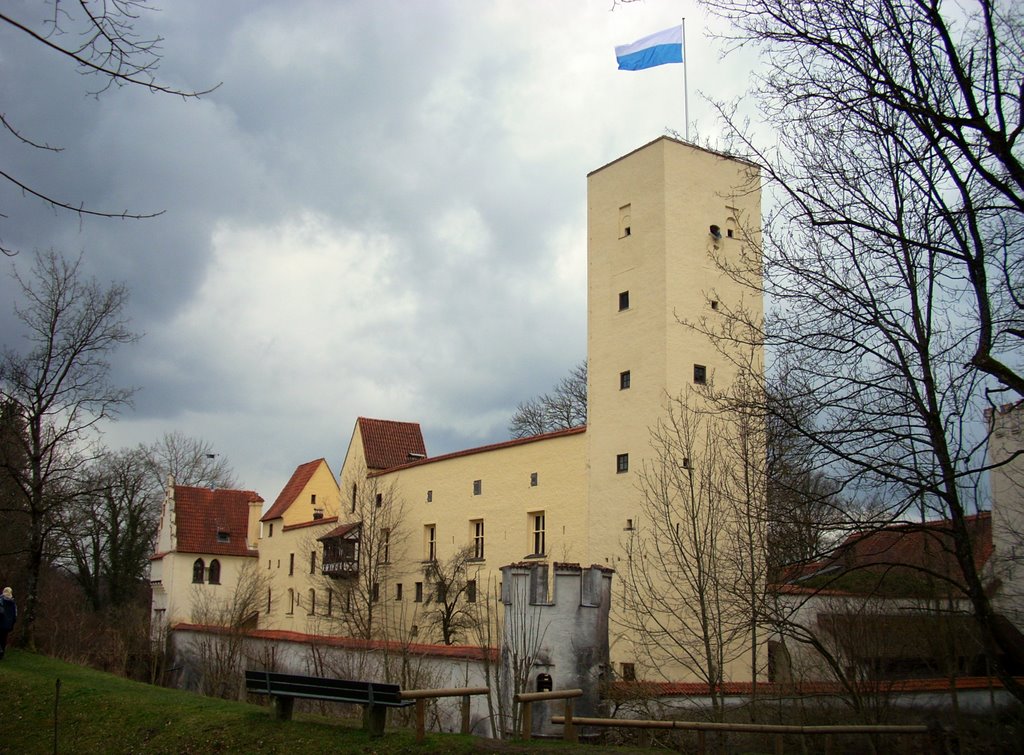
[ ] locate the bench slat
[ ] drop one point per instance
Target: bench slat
(339, 690)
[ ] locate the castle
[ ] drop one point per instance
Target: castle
(399, 538)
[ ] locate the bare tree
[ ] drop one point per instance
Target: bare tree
(453, 584)
(359, 566)
(693, 580)
(564, 407)
(60, 389)
(107, 534)
(192, 461)
(220, 653)
(100, 40)
(894, 255)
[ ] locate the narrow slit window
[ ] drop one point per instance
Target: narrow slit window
(623, 300)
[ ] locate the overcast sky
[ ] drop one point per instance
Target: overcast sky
(381, 211)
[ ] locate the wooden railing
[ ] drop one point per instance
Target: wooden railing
(422, 695)
(702, 727)
(561, 694)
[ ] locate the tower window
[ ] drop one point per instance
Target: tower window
(623, 300)
(538, 533)
(622, 463)
(430, 496)
(478, 538)
(478, 487)
(533, 479)
(624, 380)
(700, 374)
(430, 542)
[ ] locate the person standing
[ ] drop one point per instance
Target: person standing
(8, 615)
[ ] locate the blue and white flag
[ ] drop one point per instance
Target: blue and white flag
(653, 50)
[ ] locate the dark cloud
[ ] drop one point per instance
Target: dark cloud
(380, 211)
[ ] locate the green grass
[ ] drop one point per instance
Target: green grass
(102, 713)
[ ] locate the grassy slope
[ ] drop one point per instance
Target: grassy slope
(102, 713)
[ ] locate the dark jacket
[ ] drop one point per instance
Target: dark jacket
(8, 613)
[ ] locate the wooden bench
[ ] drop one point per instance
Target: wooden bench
(375, 697)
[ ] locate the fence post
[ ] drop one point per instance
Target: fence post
(569, 733)
(527, 728)
(421, 718)
(465, 714)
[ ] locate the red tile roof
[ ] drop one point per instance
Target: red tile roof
(340, 530)
(684, 689)
(464, 652)
(494, 446)
(310, 523)
(387, 443)
(292, 488)
(200, 513)
(908, 546)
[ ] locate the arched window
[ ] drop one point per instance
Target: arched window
(215, 572)
(198, 571)
(312, 601)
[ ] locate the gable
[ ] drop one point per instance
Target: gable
(387, 443)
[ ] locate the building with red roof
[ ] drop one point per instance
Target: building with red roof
(206, 538)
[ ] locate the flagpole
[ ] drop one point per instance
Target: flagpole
(686, 86)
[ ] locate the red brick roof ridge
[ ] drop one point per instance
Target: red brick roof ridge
(470, 652)
(292, 488)
(485, 449)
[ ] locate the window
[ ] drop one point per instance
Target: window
(223, 536)
(430, 542)
(355, 493)
(419, 592)
(621, 463)
(700, 374)
(478, 538)
(624, 380)
(478, 487)
(398, 591)
(378, 500)
(714, 304)
(538, 533)
(430, 496)
(625, 221)
(312, 601)
(623, 300)
(291, 601)
(268, 600)
(198, 571)
(628, 672)
(215, 572)
(715, 231)
(291, 564)
(375, 592)
(629, 525)
(686, 462)
(312, 499)
(471, 591)
(533, 479)
(312, 562)
(269, 563)
(271, 534)
(385, 545)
